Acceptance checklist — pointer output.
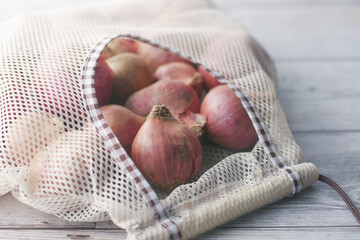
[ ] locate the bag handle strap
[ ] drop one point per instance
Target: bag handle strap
(342, 194)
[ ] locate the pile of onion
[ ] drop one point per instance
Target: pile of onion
(156, 113)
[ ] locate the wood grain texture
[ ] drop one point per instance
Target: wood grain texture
(14, 214)
(316, 47)
(349, 233)
(320, 96)
(29, 234)
(301, 29)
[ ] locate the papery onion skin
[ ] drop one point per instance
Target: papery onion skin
(182, 72)
(165, 151)
(103, 82)
(124, 123)
(209, 81)
(131, 74)
(176, 96)
(194, 121)
(227, 122)
(155, 56)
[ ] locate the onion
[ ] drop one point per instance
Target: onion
(28, 134)
(117, 46)
(64, 167)
(155, 56)
(228, 123)
(131, 73)
(165, 151)
(57, 87)
(124, 123)
(182, 72)
(209, 81)
(176, 95)
(103, 82)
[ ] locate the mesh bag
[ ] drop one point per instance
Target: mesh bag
(58, 154)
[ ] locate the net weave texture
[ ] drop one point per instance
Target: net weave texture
(53, 158)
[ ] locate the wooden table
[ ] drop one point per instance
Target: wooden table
(316, 46)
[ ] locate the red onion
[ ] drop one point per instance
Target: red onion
(65, 162)
(182, 72)
(228, 123)
(155, 56)
(29, 133)
(103, 82)
(176, 96)
(179, 98)
(131, 74)
(119, 45)
(209, 81)
(165, 151)
(123, 122)
(57, 87)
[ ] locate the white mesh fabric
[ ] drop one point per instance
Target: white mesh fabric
(52, 157)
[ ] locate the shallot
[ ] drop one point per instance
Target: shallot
(119, 45)
(29, 133)
(208, 80)
(103, 82)
(227, 122)
(165, 151)
(180, 71)
(155, 56)
(123, 122)
(178, 97)
(131, 74)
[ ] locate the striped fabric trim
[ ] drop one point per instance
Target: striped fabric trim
(263, 134)
(119, 154)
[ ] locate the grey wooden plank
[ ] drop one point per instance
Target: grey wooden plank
(303, 29)
(320, 96)
(43, 234)
(349, 233)
(14, 214)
